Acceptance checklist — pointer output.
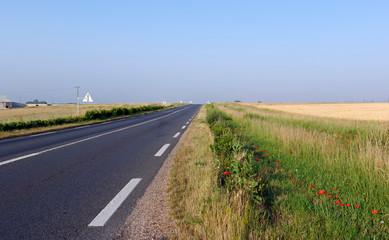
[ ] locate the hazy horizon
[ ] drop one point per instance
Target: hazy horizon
(153, 51)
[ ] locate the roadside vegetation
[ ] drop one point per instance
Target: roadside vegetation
(17, 128)
(200, 209)
(270, 175)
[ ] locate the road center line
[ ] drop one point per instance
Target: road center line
(114, 204)
(177, 134)
(187, 122)
(86, 139)
(162, 150)
(183, 127)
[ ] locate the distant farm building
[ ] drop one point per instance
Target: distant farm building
(36, 103)
(5, 103)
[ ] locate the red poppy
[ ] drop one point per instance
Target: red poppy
(356, 206)
(277, 164)
(267, 154)
(347, 205)
(337, 196)
(312, 186)
(330, 196)
(264, 150)
(342, 204)
(225, 173)
(257, 159)
(264, 169)
(290, 175)
(261, 181)
(337, 201)
(322, 192)
(334, 188)
(374, 211)
(256, 147)
(281, 169)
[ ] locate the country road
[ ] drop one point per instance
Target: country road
(82, 183)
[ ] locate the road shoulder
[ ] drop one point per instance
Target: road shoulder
(151, 217)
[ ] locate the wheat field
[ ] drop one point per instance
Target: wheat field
(350, 111)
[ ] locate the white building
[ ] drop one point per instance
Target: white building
(6, 103)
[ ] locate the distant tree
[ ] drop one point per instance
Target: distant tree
(36, 101)
(237, 101)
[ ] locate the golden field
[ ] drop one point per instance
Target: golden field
(352, 111)
(54, 111)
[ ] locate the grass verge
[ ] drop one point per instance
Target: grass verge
(315, 178)
(201, 206)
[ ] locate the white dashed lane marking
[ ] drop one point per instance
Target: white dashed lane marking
(162, 150)
(177, 134)
(114, 204)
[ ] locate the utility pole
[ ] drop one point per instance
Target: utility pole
(78, 100)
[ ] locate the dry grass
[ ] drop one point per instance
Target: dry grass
(54, 111)
(354, 111)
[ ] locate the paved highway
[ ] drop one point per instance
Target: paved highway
(82, 183)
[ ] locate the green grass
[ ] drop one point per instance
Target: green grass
(349, 156)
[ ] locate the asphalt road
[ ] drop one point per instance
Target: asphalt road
(82, 183)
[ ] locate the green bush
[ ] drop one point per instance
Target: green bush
(235, 165)
(104, 114)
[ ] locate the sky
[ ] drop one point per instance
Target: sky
(199, 51)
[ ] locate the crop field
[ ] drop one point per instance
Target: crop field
(289, 172)
(349, 111)
(54, 111)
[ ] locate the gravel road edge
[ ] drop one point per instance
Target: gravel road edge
(151, 219)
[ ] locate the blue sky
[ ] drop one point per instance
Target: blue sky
(150, 51)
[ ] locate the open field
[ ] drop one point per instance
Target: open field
(350, 111)
(55, 111)
(315, 177)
